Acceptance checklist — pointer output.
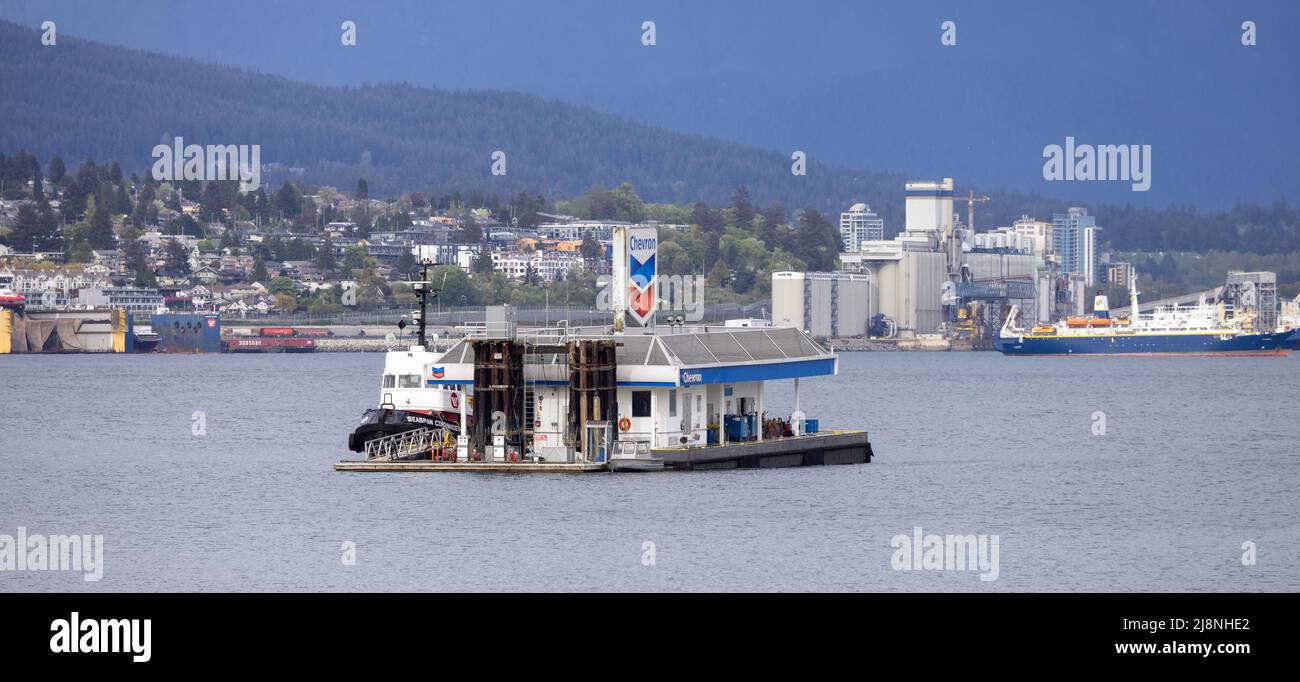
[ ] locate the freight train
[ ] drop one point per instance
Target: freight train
(274, 339)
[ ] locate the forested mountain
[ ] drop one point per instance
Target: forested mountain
(82, 99)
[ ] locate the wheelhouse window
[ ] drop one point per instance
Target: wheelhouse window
(640, 403)
(390, 380)
(408, 381)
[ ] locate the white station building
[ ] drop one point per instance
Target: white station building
(675, 390)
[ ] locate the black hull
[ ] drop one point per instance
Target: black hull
(380, 422)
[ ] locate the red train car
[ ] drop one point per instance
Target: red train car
(312, 332)
(268, 345)
(277, 332)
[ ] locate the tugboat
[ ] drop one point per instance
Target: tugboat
(1202, 329)
(413, 394)
(146, 340)
(11, 299)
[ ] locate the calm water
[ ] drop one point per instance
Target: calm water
(1199, 456)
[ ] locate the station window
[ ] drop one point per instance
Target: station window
(390, 380)
(640, 403)
(408, 381)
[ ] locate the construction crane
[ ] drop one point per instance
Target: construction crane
(954, 238)
(971, 200)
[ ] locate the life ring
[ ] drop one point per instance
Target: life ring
(624, 424)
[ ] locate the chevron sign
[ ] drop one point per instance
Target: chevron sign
(642, 245)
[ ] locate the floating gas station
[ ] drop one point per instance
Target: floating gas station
(621, 397)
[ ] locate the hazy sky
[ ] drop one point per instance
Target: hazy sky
(858, 84)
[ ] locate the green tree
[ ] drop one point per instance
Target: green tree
(286, 302)
(211, 202)
(29, 232)
(259, 273)
(288, 201)
(454, 286)
(57, 169)
(356, 258)
(280, 285)
(101, 225)
(178, 256)
(469, 232)
(325, 260)
(406, 266)
(720, 275)
(122, 201)
(742, 211)
(590, 248)
(483, 263)
(134, 256)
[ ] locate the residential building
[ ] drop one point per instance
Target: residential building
(546, 266)
(858, 225)
(1038, 232)
(54, 288)
(1117, 274)
(133, 299)
(1075, 240)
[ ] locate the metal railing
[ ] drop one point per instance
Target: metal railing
(404, 445)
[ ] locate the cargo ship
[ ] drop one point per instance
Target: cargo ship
(1202, 329)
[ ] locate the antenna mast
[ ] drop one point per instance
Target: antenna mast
(423, 291)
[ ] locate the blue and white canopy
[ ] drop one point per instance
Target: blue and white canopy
(715, 356)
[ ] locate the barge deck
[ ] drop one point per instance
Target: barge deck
(471, 467)
(835, 447)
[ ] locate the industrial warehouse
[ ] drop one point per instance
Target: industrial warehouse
(939, 285)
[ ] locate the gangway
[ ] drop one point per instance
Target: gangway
(413, 444)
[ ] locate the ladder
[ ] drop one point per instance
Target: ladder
(405, 445)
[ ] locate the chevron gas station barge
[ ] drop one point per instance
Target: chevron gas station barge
(589, 399)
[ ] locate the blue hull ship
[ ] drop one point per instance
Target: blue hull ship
(1124, 343)
(1203, 329)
